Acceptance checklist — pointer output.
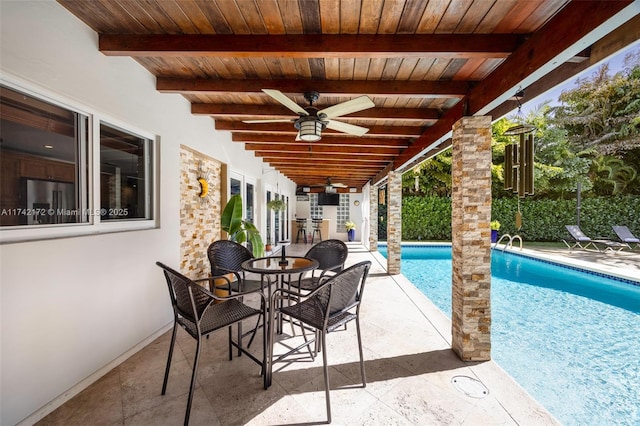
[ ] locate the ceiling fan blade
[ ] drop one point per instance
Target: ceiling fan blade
(284, 100)
(344, 108)
(351, 129)
(274, 120)
(335, 185)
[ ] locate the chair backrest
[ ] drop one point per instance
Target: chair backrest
(225, 256)
(344, 290)
(329, 254)
(625, 234)
(577, 233)
(187, 298)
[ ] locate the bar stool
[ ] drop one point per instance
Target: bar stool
(316, 223)
(301, 222)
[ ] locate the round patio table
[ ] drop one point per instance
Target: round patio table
(278, 267)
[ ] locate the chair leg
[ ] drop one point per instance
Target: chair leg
(230, 345)
(193, 383)
(255, 330)
(265, 342)
(304, 335)
(362, 373)
(326, 374)
(240, 338)
(166, 371)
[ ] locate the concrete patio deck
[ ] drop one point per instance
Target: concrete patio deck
(409, 365)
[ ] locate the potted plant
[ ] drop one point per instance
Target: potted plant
(239, 229)
(268, 246)
(495, 227)
(351, 230)
(277, 205)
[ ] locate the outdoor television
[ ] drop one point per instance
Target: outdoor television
(326, 199)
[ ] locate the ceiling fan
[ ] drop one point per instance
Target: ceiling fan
(311, 121)
(330, 187)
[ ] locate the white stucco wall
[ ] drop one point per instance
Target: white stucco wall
(71, 308)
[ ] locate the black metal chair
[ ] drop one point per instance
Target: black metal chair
(301, 224)
(316, 224)
(331, 255)
(226, 257)
(195, 310)
(331, 306)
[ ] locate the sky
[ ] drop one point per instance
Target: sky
(616, 63)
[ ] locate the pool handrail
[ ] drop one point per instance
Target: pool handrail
(510, 242)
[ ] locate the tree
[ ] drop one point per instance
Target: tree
(603, 111)
(431, 177)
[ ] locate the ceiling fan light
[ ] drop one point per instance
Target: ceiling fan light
(310, 130)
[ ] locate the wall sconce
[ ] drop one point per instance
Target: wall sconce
(203, 181)
(204, 187)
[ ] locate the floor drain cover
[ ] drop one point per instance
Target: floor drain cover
(469, 386)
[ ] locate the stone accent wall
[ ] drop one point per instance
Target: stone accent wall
(471, 239)
(199, 216)
(373, 218)
(394, 221)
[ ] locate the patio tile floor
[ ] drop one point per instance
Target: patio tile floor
(408, 361)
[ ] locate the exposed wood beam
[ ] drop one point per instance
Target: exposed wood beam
(277, 111)
(310, 164)
(320, 179)
(554, 78)
(311, 45)
(275, 138)
(316, 189)
(238, 126)
(542, 49)
(621, 37)
(321, 176)
(305, 172)
(355, 150)
(378, 88)
(432, 135)
(322, 157)
(524, 62)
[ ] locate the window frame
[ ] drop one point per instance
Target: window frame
(89, 185)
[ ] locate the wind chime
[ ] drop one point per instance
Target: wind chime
(518, 161)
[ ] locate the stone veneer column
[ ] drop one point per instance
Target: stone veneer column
(394, 221)
(373, 218)
(199, 217)
(471, 238)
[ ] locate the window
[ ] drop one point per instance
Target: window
(124, 175)
(315, 210)
(49, 187)
(342, 213)
(44, 162)
(277, 214)
(235, 187)
(250, 204)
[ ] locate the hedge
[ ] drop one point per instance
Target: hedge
(429, 218)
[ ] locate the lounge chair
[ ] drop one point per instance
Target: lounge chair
(626, 236)
(579, 239)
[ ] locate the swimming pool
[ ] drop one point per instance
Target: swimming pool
(570, 338)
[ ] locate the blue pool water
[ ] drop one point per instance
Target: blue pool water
(570, 338)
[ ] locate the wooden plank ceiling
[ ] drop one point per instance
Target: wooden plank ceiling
(424, 63)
